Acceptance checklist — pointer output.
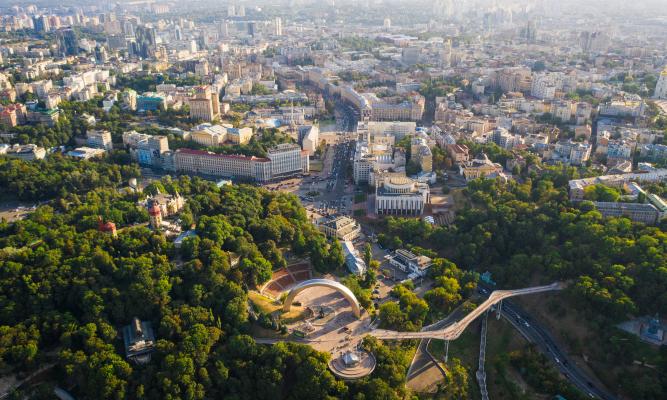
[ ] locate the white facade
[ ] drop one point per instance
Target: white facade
(401, 196)
(207, 163)
(310, 137)
(661, 86)
(287, 159)
(99, 140)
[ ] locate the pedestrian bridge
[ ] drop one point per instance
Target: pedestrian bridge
(455, 330)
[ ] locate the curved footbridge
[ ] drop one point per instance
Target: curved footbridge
(455, 330)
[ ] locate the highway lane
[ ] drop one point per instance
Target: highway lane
(538, 335)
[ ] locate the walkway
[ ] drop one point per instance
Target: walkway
(481, 372)
(455, 330)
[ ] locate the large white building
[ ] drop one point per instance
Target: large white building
(287, 160)
(99, 140)
(401, 196)
(661, 86)
(406, 261)
(204, 105)
(27, 152)
(341, 227)
(226, 165)
(214, 135)
(309, 136)
(577, 186)
(283, 161)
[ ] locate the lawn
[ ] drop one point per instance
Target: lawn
(466, 349)
(264, 304)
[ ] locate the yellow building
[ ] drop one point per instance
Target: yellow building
(480, 167)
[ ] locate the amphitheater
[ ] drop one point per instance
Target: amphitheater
(285, 278)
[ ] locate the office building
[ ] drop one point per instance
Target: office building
(283, 161)
(362, 167)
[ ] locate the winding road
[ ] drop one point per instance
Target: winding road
(535, 333)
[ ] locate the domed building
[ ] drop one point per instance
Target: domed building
(401, 196)
(480, 167)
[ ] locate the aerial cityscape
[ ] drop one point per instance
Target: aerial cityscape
(333, 199)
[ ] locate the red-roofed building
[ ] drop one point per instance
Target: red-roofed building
(459, 153)
(108, 227)
(13, 114)
(155, 215)
(228, 165)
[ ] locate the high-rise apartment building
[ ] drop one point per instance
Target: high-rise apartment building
(145, 44)
(41, 23)
(279, 26)
(661, 86)
(68, 43)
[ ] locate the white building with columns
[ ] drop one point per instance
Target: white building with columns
(401, 196)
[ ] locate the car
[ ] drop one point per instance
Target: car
(526, 324)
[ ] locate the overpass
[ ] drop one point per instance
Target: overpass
(455, 330)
